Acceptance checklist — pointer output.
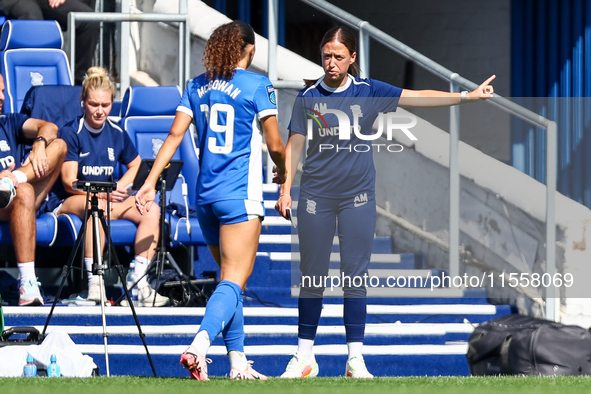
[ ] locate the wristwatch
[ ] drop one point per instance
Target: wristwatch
(41, 139)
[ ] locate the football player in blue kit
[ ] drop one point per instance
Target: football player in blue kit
(337, 189)
(232, 109)
(24, 185)
(95, 146)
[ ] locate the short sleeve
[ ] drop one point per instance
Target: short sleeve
(18, 120)
(185, 103)
(387, 95)
(265, 99)
(297, 124)
(70, 137)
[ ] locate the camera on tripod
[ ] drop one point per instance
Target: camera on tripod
(94, 186)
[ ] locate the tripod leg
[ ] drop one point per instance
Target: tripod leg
(66, 272)
(105, 333)
(119, 269)
(99, 269)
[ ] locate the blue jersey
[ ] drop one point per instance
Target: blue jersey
(339, 162)
(12, 140)
(226, 114)
(97, 153)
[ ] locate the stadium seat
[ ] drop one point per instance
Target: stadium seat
(31, 56)
(147, 114)
(46, 230)
(58, 104)
(68, 226)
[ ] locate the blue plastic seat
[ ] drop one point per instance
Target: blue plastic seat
(21, 65)
(147, 114)
(58, 104)
(31, 55)
(47, 225)
(68, 226)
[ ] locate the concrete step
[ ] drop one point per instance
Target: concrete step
(395, 344)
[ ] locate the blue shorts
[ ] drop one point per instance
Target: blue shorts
(212, 216)
(52, 203)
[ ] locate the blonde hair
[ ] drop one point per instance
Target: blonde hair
(97, 78)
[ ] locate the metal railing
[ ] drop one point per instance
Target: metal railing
(366, 30)
(184, 37)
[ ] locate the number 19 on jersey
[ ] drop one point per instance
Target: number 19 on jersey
(213, 115)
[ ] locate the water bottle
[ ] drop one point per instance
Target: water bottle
(30, 369)
(53, 369)
(129, 282)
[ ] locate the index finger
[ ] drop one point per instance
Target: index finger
(489, 80)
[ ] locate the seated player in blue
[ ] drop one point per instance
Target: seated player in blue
(95, 146)
(24, 185)
(232, 109)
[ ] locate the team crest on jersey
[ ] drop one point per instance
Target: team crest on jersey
(356, 111)
(156, 145)
(311, 207)
(4, 147)
(271, 94)
(111, 153)
(36, 78)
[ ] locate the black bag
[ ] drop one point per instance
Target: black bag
(522, 345)
(21, 336)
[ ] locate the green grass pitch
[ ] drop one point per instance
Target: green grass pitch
(412, 385)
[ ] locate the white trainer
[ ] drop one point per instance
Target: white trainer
(356, 368)
(30, 294)
(94, 293)
(300, 366)
(248, 374)
(146, 295)
(7, 192)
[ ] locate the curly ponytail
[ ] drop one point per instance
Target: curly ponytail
(223, 49)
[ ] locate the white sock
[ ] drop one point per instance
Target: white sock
(202, 342)
(355, 349)
(27, 270)
(20, 176)
(238, 360)
(306, 348)
(141, 265)
(88, 261)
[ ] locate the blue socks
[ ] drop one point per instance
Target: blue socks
(221, 307)
(354, 315)
(309, 310)
(233, 333)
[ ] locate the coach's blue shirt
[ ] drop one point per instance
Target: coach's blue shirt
(340, 164)
(226, 114)
(12, 140)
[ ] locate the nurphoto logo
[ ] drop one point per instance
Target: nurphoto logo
(386, 125)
